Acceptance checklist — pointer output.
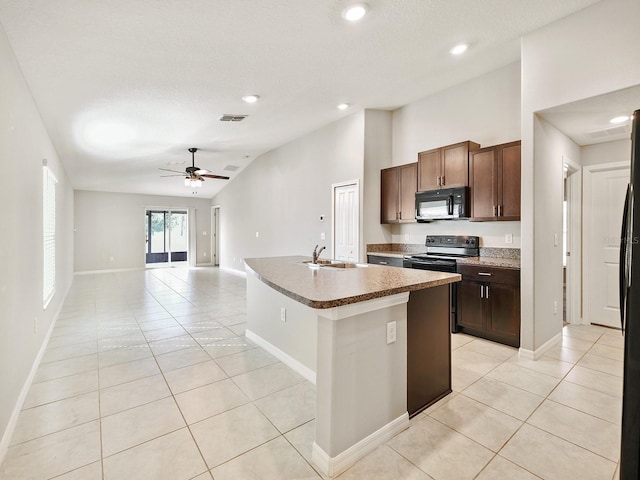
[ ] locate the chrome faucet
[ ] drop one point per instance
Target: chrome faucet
(316, 253)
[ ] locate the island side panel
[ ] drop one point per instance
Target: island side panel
(428, 347)
(296, 337)
(361, 380)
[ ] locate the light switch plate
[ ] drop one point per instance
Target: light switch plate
(508, 238)
(322, 236)
(391, 332)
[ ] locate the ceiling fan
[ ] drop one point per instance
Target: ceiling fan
(193, 176)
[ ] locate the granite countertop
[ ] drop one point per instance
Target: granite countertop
(326, 287)
(490, 262)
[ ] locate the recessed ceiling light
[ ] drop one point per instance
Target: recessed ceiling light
(343, 106)
(251, 98)
(459, 49)
(620, 119)
(354, 12)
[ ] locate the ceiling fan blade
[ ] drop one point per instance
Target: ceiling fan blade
(168, 170)
(220, 177)
(177, 175)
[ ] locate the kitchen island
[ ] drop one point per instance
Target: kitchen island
(344, 327)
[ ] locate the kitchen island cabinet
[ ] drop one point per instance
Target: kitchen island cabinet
(346, 329)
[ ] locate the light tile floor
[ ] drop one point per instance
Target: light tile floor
(148, 375)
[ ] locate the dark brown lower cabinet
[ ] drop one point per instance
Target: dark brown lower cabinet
(428, 348)
(489, 303)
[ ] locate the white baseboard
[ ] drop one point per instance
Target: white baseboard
(333, 466)
(539, 352)
(285, 358)
(13, 419)
(240, 273)
(110, 270)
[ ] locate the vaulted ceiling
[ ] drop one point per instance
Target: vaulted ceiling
(126, 87)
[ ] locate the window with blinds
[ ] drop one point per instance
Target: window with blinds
(49, 235)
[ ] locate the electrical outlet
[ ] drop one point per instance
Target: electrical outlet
(257, 234)
(322, 236)
(555, 308)
(204, 234)
(406, 237)
(205, 254)
(508, 238)
(391, 332)
(283, 314)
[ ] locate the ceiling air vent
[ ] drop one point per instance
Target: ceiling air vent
(231, 168)
(610, 132)
(228, 117)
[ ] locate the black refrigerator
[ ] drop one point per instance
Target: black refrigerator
(630, 315)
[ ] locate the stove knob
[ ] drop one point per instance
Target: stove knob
(467, 241)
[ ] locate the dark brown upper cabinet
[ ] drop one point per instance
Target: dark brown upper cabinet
(494, 181)
(397, 193)
(445, 167)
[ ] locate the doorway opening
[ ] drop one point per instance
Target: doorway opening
(572, 243)
(167, 237)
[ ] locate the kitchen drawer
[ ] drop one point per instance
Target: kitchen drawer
(384, 260)
(510, 276)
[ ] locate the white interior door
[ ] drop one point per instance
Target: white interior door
(346, 215)
(604, 210)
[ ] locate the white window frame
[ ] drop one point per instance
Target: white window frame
(49, 182)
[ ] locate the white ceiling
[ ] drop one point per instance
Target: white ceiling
(587, 121)
(125, 87)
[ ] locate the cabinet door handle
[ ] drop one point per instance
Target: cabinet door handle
(487, 291)
(484, 274)
(442, 180)
(438, 180)
(383, 263)
(481, 291)
(499, 210)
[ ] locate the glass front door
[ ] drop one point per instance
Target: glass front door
(167, 236)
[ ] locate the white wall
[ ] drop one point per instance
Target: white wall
(113, 225)
(552, 147)
(609, 152)
(24, 143)
(586, 54)
(377, 155)
(485, 110)
(282, 194)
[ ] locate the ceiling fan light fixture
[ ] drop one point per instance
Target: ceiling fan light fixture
(192, 182)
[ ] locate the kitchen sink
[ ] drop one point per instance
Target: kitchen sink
(333, 264)
(346, 265)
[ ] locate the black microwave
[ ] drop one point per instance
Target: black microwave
(443, 204)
